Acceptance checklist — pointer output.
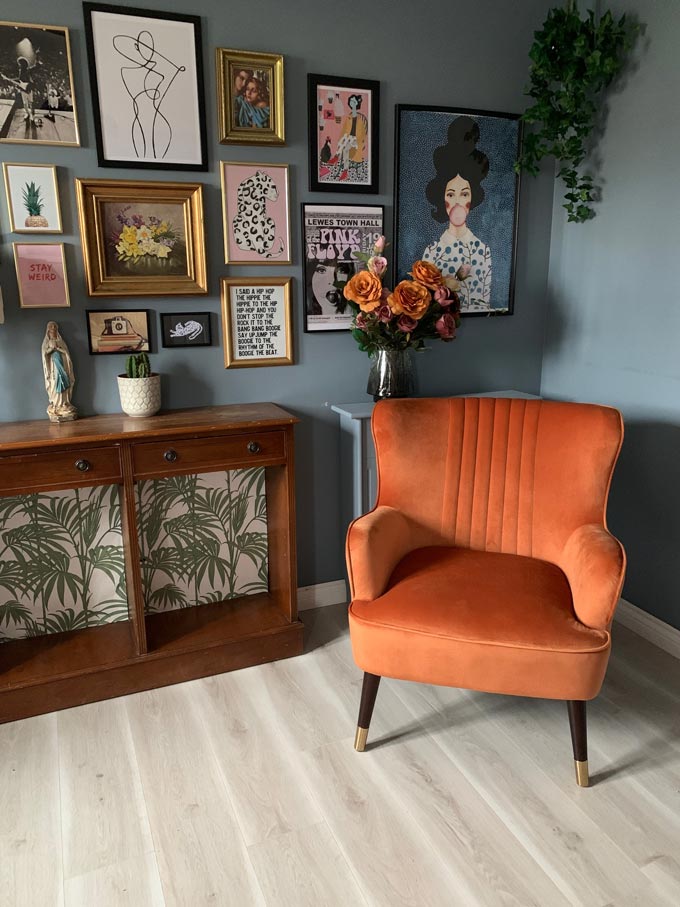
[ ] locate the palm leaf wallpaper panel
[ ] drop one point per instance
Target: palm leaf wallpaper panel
(203, 538)
(61, 562)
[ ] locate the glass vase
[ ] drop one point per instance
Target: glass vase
(391, 374)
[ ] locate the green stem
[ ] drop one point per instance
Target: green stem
(33, 511)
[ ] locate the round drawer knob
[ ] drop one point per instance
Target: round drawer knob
(254, 447)
(83, 465)
(170, 455)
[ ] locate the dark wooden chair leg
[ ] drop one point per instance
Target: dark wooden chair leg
(579, 739)
(369, 691)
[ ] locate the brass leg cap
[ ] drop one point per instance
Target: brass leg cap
(360, 739)
(581, 773)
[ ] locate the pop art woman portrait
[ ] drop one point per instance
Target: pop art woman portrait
(457, 200)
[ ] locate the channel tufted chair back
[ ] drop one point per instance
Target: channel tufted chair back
(486, 562)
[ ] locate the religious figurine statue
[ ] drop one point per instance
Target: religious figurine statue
(59, 377)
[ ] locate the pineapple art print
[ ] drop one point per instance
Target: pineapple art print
(32, 198)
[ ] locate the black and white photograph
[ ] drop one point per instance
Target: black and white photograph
(185, 329)
(147, 78)
(331, 237)
(37, 103)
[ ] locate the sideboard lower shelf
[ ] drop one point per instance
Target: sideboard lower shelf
(60, 670)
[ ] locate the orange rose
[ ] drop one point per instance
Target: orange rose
(427, 274)
(410, 298)
(365, 289)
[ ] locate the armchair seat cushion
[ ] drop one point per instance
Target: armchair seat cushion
(500, 623)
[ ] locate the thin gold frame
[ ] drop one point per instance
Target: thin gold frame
(92, 194)
(225, 58)
(65, 30)
(67, 305)
(10, 208)
(226, 284)
(225, 216)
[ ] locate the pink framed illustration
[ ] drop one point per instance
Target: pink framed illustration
(41, 275)
(343, 134)
(256, 213)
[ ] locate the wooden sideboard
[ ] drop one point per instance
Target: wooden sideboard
(61, 670)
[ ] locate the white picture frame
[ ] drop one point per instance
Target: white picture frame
(32, 198)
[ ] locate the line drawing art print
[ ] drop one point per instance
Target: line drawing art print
(147, 79)
(148, 100)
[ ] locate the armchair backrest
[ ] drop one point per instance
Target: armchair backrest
(497, 474)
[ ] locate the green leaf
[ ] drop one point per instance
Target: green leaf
(13, 611)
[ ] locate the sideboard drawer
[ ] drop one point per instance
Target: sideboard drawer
(198, 454)
(61, 469)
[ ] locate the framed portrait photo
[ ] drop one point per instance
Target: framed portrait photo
(343, 134)
(142, 239)
(41, 275)
(456, 200)
(37, 101)
(256, 213)
(118, 331)
(331, 234)
(32, 198)
(250, 98)
(257, 322)
(146, 71)
(185, 329)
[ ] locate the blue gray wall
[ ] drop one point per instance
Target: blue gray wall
(433, 53)
(613, 333)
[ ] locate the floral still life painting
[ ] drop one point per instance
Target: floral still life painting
(149, 242)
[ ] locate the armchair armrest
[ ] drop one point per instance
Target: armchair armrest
(594, 563)
(376, 542)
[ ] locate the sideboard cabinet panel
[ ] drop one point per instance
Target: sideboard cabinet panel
(202, 545)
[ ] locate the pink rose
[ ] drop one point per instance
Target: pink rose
(384, 313)
(407, 324)
(361, 321)
(377, 265)
(446, 326)
(379, 245)
(463, 272)
(443, 296)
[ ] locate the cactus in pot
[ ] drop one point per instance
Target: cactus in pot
(34, 204)
(139, 387)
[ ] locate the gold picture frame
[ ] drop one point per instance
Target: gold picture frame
(261, 333)
(141, 238)
(37, 46)
(50, 206)
(42, 280)
(250, 105)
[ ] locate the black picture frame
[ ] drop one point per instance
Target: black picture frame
(113, 314)
(334, 251)
(320, 114)
(172, 319)
(145, 164)
(426, 144)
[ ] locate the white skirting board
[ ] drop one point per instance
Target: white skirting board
(649, 627)
(646, 625)
(322, 594)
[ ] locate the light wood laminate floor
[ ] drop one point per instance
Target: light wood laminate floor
(244, 789)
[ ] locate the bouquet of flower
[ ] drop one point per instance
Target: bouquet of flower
(427, 307)
(139, 237)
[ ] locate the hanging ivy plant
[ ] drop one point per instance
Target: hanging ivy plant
(573, 61)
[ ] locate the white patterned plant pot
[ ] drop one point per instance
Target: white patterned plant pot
(140, 397)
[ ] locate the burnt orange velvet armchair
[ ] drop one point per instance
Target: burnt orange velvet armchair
(486, 562)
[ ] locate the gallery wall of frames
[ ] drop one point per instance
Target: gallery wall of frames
(201, 183)
(146, 80)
